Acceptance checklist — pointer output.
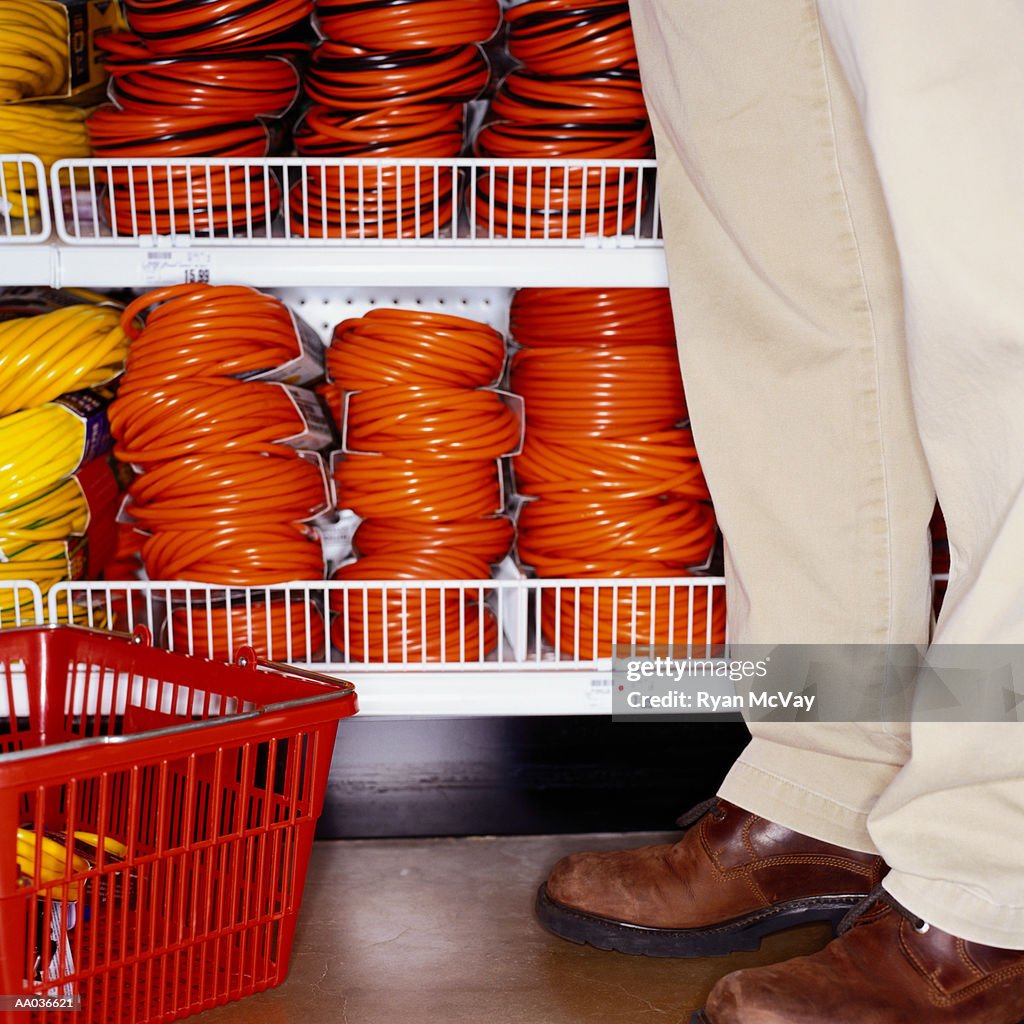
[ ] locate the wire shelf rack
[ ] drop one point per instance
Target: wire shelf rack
(295, 201)
(24, 199)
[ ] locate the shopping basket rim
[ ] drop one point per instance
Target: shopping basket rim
(246, 658)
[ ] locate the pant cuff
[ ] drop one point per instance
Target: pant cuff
(957, 910)
(771, 780)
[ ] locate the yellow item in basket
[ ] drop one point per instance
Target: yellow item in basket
(34, 59)
(112, 846)
(38, 448)
(48, 355)
(53, 857)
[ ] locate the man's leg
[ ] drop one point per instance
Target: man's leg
(787, 297)
(941, 86)
(786, 287)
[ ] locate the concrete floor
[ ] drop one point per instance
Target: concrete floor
(441, 931)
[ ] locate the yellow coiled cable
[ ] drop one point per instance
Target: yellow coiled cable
(38, 448)
(49, 131)
(44, 563)
(48, 355)
(52, 515)
(33, 50)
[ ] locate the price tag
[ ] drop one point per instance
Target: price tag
(176, 266)
(599, 692)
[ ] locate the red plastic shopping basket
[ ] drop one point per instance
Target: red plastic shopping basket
(156, 817)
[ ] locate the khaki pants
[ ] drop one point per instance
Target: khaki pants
(843, 198)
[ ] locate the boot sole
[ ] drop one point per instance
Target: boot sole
(742, 934)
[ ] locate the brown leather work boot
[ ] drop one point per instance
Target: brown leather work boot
(886, 967)
(732, 879)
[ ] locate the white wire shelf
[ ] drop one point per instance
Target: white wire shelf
(24, 200)
(298, 221)
(296, 201)
(507, 646)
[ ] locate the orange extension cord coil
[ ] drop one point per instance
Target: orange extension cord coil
(615, 484)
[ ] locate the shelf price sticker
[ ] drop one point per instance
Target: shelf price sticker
(176, 266)
(599, 692)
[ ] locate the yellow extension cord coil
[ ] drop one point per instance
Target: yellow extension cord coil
(48, 355)
(33, 50)
(38, 448)
(52, 515)
(49, 131)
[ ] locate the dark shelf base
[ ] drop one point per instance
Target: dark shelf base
(514, 776)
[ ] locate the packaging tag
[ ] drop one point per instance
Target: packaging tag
(314, 458)
(318, 432)
(90, 406)
(306, 367)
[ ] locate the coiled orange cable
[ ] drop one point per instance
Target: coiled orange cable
(228, 489)
(354, 202)
(404, 622)
(237, 556)
(630, 141)
(585, 620)
(279, 629)
(186, 26)
(616, 390)
(169, 133)
(533, 99)
(487, 538)
(562, 38)
(559, 202)
(616, 487)
(637, 466)
(546, 317)
(244, 87)
(434, 490)
(199, 330)
(353, 78)
(404, 421)
(179, 200)
(555, 203)
(129, 46)
(559, 537)
(430, 501)
(231, 510)
(429, 129)
(201, 414)
(408, 24)
(400, 346)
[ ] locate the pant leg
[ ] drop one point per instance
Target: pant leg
(941, 86)
(787, 297)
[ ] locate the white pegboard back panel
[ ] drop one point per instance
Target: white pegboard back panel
(324, 308)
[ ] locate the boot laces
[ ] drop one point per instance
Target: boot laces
(692, 816)
(880, 895)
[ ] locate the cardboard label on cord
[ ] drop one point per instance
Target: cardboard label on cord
(306, 367)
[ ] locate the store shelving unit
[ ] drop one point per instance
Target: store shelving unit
(469, 265)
